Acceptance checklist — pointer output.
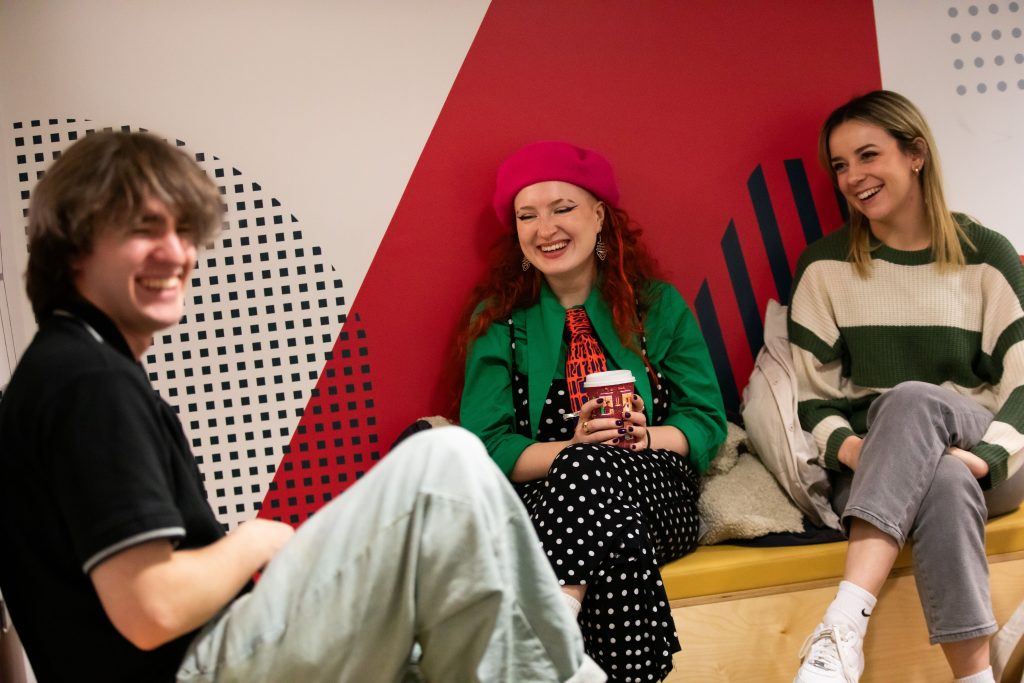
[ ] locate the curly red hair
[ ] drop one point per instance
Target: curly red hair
(622, 279)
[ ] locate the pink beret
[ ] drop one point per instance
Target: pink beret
(552, 160)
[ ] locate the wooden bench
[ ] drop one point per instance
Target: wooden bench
(742, 614)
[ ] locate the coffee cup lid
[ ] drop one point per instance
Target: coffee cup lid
(608, 378)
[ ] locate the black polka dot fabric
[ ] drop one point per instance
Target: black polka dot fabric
(607, 517)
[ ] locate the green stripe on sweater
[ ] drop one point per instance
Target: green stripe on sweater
(835, 441)
(1013, 334)
(813, 411)
(1012, 412)
(807, 340)
(996, 457)
(995, 250)
(883, 356)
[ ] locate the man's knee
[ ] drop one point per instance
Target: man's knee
(448, 445)
(450, 451)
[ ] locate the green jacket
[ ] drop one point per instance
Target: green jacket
(675, 348)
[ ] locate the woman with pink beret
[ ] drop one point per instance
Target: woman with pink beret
(571, 290)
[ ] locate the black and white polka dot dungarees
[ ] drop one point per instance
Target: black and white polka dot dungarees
(607, 517)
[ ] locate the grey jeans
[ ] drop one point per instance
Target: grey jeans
(906, 487)
(431, 547)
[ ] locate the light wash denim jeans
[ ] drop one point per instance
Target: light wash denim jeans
(906, 487)
(431, 547)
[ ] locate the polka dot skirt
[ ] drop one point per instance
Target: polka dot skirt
(607, 517)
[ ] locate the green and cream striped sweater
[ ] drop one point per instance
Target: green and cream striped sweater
(853, 338)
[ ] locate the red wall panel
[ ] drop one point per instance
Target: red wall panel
(687, 100)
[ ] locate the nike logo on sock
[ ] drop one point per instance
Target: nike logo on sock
(864, 614)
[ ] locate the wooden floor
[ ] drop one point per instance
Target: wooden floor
(757, 636)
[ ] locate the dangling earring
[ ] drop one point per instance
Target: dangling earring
(601, 249)
(526, 263)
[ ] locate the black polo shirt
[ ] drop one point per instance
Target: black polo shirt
(92, 461)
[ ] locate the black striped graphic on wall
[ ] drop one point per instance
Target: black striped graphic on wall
(739, 274)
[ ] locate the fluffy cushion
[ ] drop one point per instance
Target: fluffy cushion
(740, 498)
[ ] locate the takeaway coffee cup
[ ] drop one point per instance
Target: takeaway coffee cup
(615, 387)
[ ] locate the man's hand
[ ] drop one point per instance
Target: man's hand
(154, 594)
(266, 537)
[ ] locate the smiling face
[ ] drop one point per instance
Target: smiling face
(138, 274)
(557, 224)
(877, 176)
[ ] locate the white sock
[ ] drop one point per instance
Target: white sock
(980, 677)
(851, 608)
(573, 604)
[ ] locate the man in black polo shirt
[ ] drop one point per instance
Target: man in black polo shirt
(115, 568)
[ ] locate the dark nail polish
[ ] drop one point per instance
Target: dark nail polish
(633, 447)
(615, 440)
(636, 397)
(618, 423)
(630, 429)
(622, 431)
(600, 400)
(626, 415)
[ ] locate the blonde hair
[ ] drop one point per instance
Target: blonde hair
(101, 183)
(898, 116)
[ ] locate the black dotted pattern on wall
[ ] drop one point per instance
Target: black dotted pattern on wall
(263, 311)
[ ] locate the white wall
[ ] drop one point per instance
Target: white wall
(928, 51)
(326, 104)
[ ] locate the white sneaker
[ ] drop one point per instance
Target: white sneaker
(831, 653)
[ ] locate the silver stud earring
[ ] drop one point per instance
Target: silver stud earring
(526, 264)
(601, 249)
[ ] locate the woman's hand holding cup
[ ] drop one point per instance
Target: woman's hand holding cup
(614, 414)
(593, 427)
(634, 427)
(629, 431)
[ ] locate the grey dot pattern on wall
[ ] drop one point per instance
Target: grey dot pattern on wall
(263, 311)
(985, 25)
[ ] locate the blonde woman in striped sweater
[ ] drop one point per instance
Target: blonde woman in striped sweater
(906, 327)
